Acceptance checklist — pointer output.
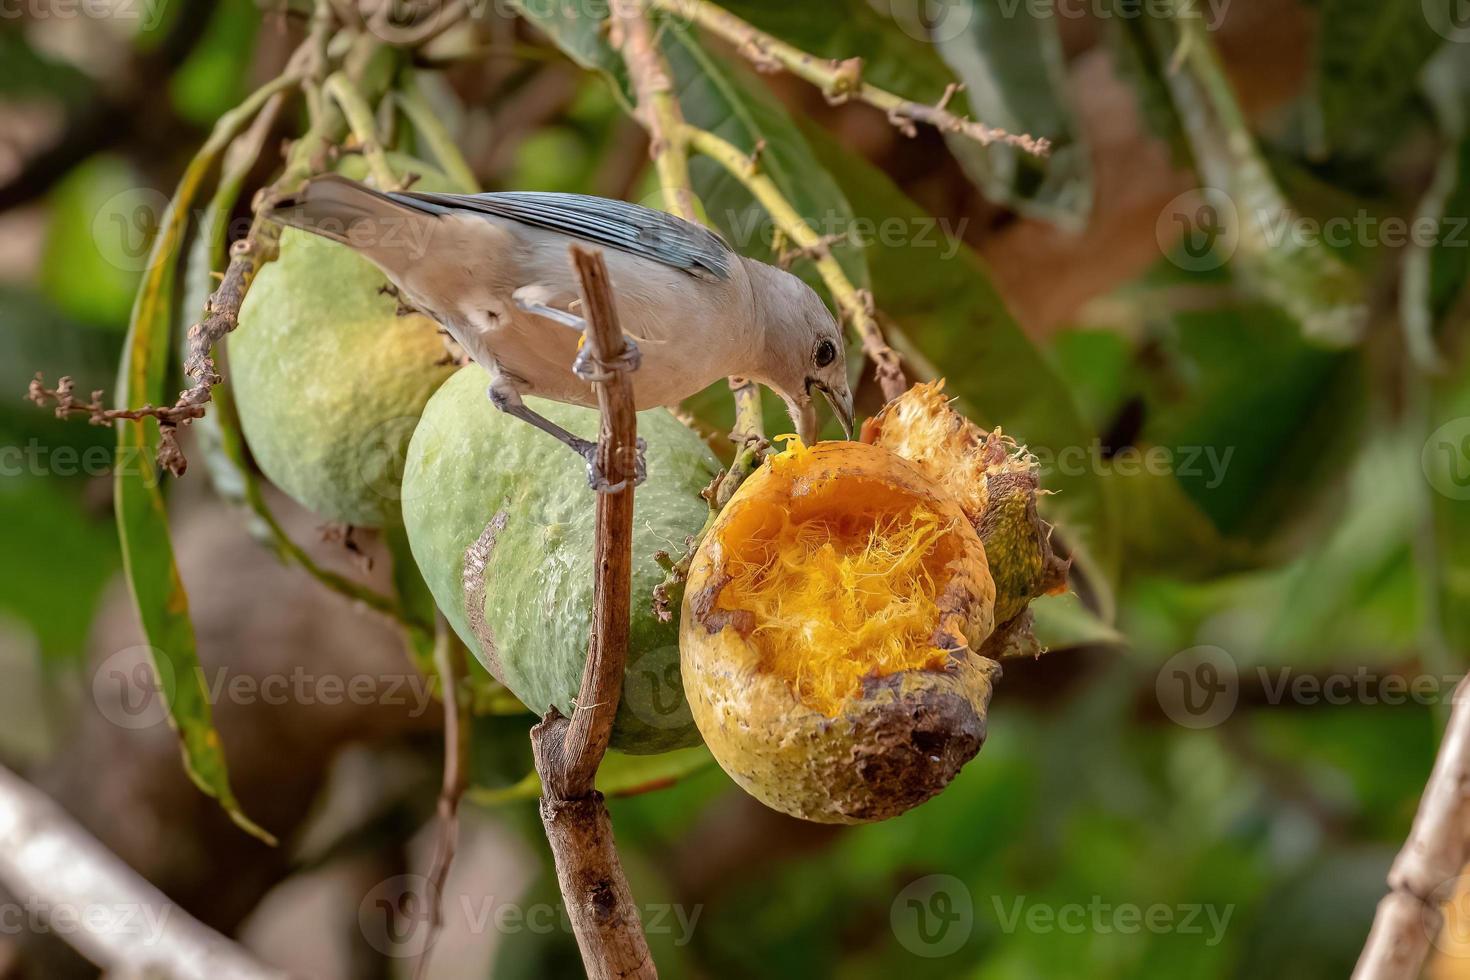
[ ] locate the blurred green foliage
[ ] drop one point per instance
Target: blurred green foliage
(1325, 536)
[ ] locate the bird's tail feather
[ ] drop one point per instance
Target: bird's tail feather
(343, 210)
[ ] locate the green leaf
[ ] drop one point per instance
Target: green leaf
(1016, 78)
(212, 79)
(1266, 418)
(1064, 622)
(101, 226)
(1444, 541)
(1011, 64)
(619, 775)
(1136, 62)
(577, 29)
(142, 514)
(1437, 264)
(1369, 53)
(1242, 214)
(948, 320)
(726, 100)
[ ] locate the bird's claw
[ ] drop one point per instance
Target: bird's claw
(593, 371)
(598, 481)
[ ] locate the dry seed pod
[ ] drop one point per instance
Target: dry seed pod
(827, 635)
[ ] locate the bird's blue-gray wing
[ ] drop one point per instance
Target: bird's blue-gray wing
(615, 224)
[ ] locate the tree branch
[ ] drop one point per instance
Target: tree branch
(856, 304)
(1429, 865)
(568, 751)
(364, 128)
(841, 80)
(659, 112)
(100, 906)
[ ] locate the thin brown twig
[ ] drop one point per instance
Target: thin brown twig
(308, 155)
(569, 750)
(840, 80)
(169, 417)
(1424, 875)
(449, 659)
(657, 108)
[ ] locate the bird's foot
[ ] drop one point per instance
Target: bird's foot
(388, 289)
(598, 480)
(593, 371)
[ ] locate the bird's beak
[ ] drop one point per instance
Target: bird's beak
(841, 402)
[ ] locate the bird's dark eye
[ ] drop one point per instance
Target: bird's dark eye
(826, 353)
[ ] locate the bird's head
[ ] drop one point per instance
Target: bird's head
(803, 352)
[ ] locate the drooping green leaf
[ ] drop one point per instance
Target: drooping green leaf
(619, 775)
(142, 514)
(1010, 59)
(1369, 53)
(1241, 214)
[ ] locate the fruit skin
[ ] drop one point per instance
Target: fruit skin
(891, 748)
(328, 379)
(475, 475)
(996, 482)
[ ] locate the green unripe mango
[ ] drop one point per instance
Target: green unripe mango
(329, 380)
(500, 520)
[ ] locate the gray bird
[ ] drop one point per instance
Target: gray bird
(494, 270)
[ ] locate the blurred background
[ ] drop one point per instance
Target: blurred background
(1227, 312)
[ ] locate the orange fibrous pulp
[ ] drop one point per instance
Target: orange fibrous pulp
(841, 581)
